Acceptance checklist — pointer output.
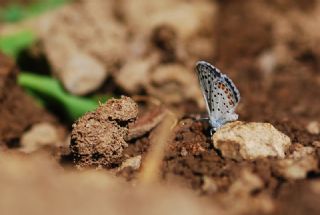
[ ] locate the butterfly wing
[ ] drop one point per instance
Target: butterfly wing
(220, 93)
(208, 76)
(226, 97)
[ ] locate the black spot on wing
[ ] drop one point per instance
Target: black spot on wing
(203, 66)
(233, 88)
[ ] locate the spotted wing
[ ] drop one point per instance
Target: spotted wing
(225, 98)
(208, 76)
(219, 92)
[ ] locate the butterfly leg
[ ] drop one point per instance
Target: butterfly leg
(203, 119)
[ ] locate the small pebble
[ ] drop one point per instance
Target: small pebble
(313, 127)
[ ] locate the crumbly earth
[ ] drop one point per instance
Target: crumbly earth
(285, 96)
(98, 138)
(270, 49)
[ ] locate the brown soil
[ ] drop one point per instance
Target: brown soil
(287, 96)
(18, 110)
(290, 101)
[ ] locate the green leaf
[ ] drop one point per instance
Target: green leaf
(15, 12)
(12, 44)
(51, 91)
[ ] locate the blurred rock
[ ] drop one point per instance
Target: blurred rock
(240, 198)
(301, 151)
(174, 83)
(146, 122)
(117, 38)
(246, 184)
(98, 138)
(88, 43)
(189, 19)
(82, 74)
(239, 140)
(137, 70)
(41, 134)
(209, 185)
(316, 144)
(267, 63)
(296, 168)
(298, 163)
(313, 127)
(133, 163)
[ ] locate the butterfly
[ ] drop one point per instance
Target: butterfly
(220, 94)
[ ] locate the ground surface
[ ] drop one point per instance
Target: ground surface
(277, 73)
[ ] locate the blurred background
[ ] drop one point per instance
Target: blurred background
(60, 58)
(93, 50)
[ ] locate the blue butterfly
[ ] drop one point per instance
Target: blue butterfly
(220, 94)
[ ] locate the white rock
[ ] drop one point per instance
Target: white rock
(296, 169)
(301, 151)
(41, 134)
(316, 144)
(209, 185)
(246, 183)
(82, 74)
(133, 162)
(239, 140)
(267, 62)
(313, 127)
(136, 70)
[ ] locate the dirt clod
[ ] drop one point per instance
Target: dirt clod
(98, 138)
(124, 109)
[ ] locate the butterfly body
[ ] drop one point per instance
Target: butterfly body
(220, 94)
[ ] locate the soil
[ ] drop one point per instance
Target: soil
(289, 102)
(18, 110)
(288, 97)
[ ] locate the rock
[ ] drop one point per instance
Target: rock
(41, 134)
(239, 140)
(174, 83)
(241, 195)
(136, 70)
(301, 151)
(296, 168)
(82, 74)
(246, 184)
(209, 185)
(267, 62)
(133, 163)
(316, 144)
(88, 43)
(313, 127)
(146, 122)
(298, 163)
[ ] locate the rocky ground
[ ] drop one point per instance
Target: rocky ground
(147, 151)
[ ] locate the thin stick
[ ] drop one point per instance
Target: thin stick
(158, 139)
